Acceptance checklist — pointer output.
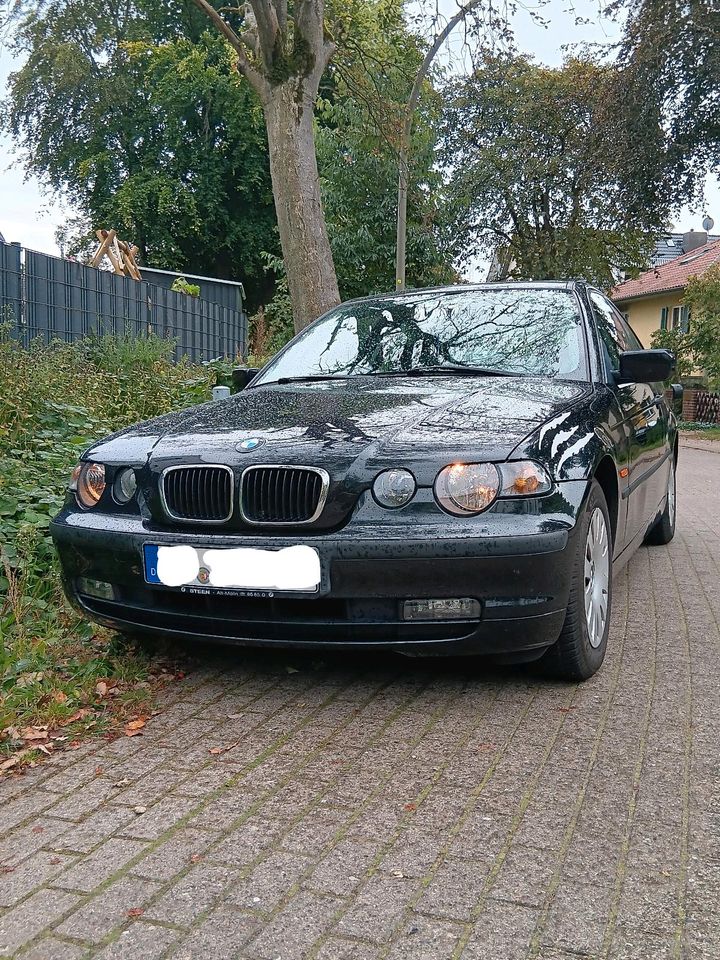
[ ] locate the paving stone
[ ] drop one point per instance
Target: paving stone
(337, 949)
(269, 882)
(503, 931)
(93, 830)
(100, 915)
(426, 938)
(24, 922)
(51, 949)
(197, 891)
(141, 941)
(183, 848)
(455, 889)
(295, 929)
(219, 936)
(378, 908)
(100, 865)
(377, 808)
(18, 882)
(160, 817)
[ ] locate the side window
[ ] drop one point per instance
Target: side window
(610, 327)
(631, 338)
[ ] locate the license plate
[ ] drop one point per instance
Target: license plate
(295, 569)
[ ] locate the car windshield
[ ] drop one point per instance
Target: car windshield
(517, 331)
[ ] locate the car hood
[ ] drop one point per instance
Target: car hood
(368, 420)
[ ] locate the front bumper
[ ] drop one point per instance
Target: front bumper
(517, 560)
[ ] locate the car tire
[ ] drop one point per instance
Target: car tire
(663, 530)
(580, 649)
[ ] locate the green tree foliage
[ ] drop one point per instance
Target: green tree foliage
(540, 174)
(698, 349)
(670, 55)
(137, 115)
(702, 295)
(358, 141)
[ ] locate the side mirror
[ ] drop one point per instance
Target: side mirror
(241, 376)
(645, 366)
(677, 391)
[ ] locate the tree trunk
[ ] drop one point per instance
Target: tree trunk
(303, 234)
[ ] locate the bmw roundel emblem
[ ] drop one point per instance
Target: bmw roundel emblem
(252, 443)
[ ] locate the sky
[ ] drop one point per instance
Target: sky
(29, 215)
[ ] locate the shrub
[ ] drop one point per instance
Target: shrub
(54, 402)
(181, 285)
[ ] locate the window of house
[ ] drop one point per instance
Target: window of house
(680, 319)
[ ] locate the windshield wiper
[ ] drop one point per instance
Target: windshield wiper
(442, 368)
(310, 378)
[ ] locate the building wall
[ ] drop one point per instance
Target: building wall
(644, 313)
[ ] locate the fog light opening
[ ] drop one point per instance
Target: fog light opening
(452, 608)
(96, 588)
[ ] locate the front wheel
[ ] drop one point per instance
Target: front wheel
(580, 649)
(663, 530)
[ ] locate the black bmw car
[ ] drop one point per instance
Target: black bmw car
(454, 470)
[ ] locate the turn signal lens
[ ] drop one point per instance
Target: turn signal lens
(523, 478)
(467, 488)
(88, 482)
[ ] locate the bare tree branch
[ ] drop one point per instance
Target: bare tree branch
(251, 73)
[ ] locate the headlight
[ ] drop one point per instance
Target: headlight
(467, 488)
(125, 485)
(394, 488)
(523, 478)
(88, 482)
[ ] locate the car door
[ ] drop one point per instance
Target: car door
(642, 412)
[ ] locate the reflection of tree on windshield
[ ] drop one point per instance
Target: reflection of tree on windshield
(518, 331)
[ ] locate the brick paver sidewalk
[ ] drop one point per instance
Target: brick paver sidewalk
(385, 808)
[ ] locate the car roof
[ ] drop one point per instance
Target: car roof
(469, 287)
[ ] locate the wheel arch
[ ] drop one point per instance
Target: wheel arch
(606, 475)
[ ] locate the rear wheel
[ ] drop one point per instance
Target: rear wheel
(663, 530)
(580, 649)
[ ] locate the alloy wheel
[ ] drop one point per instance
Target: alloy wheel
(597, 577)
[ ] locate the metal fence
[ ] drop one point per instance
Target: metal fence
(49, 298)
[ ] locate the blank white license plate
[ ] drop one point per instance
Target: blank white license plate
(294, 568)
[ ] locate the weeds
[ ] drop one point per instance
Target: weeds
(60, 675)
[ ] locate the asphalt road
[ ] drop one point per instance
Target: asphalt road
(383, 808)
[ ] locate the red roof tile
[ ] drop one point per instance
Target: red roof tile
(673, 275)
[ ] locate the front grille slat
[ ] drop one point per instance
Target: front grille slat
(198, 493)
(287, 495)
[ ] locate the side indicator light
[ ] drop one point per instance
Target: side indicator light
(623, 472)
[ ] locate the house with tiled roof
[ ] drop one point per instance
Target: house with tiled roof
(654, 300)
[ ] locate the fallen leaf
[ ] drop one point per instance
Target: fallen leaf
(38, 829)
(566, 709)
(34, 733)
(195, 857)
(122, 783)
(135, 912)
(45, 748)
(410, 806)
(75, 744)
(101, 688)
(135, 724)
(398, 873)
(78, 715)
(4, 869)
(98, 771)
(217, 750)
(59, 697)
